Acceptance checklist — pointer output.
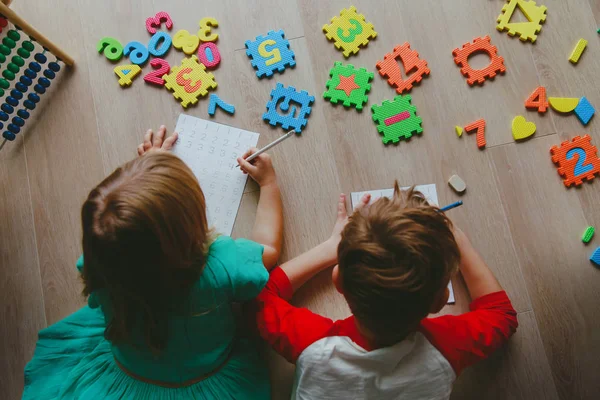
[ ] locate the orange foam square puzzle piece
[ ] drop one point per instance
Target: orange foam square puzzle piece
(577, 160)
(479, 126)
(389, 67)
(479, 45)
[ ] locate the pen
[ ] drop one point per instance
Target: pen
(267, 147)
(451, 206)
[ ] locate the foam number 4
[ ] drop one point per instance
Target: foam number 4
(352, 32)
(164, 47)
(537, 100)
(113, 49)
(186, 42)
(580, 167)
(205, 27)
(155, 22)
(137, 52)
(162, 68)
(127, 73)
(186, 82)
(271, 56)
(209, 55)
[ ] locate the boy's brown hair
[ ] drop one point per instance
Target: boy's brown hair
(144, 239)
(396, 257)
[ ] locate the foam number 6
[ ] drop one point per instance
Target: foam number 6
(186, 82)
(209, 55)
(162, 68)
(126, 73)
(271, 56)
(164, 47)
(352, 32)
(137, 52)
(185, 41)
(113, 49)
(204, 32)
(580, 167)
(155, 22)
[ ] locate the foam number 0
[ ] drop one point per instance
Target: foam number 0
(126, 73)
(352, 32)
(155, 22)
(580, 167)
(186, 82)
(164, 46)
(137, 52)
(205, 26)
(271, 56)
(209, 55)
(162, 68)
(185, 41)
(113, 49)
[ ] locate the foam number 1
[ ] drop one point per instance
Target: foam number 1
(113, 49)
(185, 41)
(127, 73)
(164, 47)
(271, 56)
(352, 32)
(137, 52)
(209, 55)
(162, 68)
(205, 27)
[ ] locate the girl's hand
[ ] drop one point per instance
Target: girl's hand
(342, 217)
(261, 169)
(156, 141)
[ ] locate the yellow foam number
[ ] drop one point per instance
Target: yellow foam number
(189, 81)
(127, 73)
(536, 15)
(271, 56)
(579, 48)
(349, 31)
(183, 40)
(204, 32)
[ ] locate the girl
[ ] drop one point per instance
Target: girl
(160, 324)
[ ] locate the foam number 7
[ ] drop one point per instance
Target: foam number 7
(271, 56)
(113, 49)
(352, 32)
(185, 41)
(205, 26)
(127, 73)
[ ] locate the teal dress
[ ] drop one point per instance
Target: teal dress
(73, 360)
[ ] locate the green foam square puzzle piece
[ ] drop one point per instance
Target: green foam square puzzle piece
(397, 119)
(348, 85)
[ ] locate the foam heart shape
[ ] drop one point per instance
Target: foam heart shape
(521, 129)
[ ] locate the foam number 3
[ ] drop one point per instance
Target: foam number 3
(580, 167)
(155, 22)
(162, 68)
(113, 49)
(127, 73)
(186, 82)
(209, 55)
(164, 47)
(271, 56)
(137, 52)
(352, 32)
(205, 26)
(185, 41)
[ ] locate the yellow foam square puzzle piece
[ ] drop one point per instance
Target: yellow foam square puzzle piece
(536, 15)
(349, 31)
(189, 81)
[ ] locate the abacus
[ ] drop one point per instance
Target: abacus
(24, 80)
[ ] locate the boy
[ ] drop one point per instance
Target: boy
(395, 259)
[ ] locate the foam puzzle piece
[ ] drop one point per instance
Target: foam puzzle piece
(209, 55)
(397, 119)
(206, 24)
(521, 128)
(577, 160)
(217, 101)
(458, 130)
(127, 74)
(284, 97)
(137, 52)
(588, 234)
(390, 68)
(348, 85)
(479, 127)
(185, 41)
(537, 100)
(164, 47)
(270, 53)
(349, 31)
(578, 51)
(189, 81)
(457, 184)
(155, 22)
(536, 16)
(563, 104)
(584, 111)
(595, 257)
(113, 49)
(480, 44)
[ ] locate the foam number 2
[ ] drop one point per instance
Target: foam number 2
(186, 82)
(271, 56)
(209, 55)
(164, 47)
(352, 32)
(205, 27)
(113, 49)
(185, 41)
(137, 52)
(162, 68)
(580, 167)
(155, 22)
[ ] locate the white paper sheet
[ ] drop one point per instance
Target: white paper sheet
(210, 150)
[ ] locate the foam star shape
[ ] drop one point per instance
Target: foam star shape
(347, 84)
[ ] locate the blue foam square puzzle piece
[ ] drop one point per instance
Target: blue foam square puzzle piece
(584, 111)
(283, 97)
(270, 53)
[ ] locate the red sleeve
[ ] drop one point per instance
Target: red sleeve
(473, 336)
(288, 329)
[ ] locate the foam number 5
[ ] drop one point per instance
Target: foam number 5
(580, 167)
(271, 56)
(113, 49)
(155, 22)
(209, 55)
(187, 82)
(127, 73)
(205, 26)
(352, 32)
(137, 52)
(185, 41)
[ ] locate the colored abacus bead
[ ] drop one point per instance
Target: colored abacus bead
(9, 136)
(12, 101)
(30, 105)
(33, 97)
(21, 87)
(44, 82)
(1, 92)
(4, 50)
(18, 121)
(16, 94)
(30, 73)
(39, 89)
(35, 66)
(18, 61)
(8, 42)
(4, 84)
(13, 128)
(25, 80)
(23, 114)
(2, 58)
(54, 66)
(39, 57)
(49, 74)
(14, 35)
(8, 75)
(27, 45)
(3, 116)
(7, 108)
(23, 53)
(13, 68)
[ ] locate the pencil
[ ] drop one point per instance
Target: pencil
(451, 206)
(272, 144)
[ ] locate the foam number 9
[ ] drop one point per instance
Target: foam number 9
(271, 56)
(137, 52)
(183, 40)
(352, 32)
(113, 49)
(204, 32)
(186, 82)
(209, 55)
(164, 47)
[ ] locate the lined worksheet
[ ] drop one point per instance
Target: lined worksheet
(430, 193)
(210, 150)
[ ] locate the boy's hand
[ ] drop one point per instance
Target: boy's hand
(156, 141)
(261, 169)
(342, 217)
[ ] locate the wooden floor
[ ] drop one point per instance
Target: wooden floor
(517, 211)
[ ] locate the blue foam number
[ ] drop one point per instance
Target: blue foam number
(580, 168)
(137, 52)
(283, 97)
(164, 46)
(217, 101)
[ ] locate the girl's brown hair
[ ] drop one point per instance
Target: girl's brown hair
(395, 258)
(144, 239)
